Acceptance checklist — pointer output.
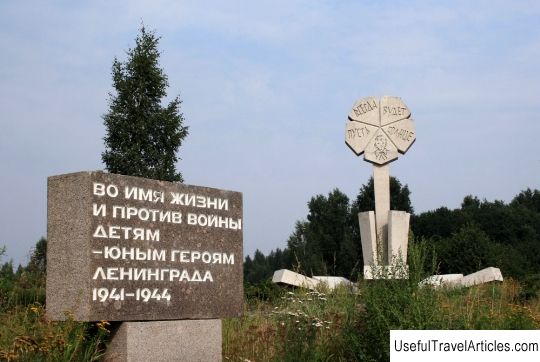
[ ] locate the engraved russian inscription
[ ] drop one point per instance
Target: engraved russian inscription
(364, 107)
(357, 135)
(402, 133)
(393, 109)
(380, 129)
(147, 249)
(366, 110)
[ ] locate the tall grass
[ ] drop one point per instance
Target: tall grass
(342, 325)
(27, 335)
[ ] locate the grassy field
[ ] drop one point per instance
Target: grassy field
(282, 324)
(344, 326)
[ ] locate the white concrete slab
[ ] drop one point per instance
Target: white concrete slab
(441, 280)
(289, 277)
(368, 237)
(486, 275)
(398, 236)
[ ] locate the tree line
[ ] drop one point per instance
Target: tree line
(476, 235)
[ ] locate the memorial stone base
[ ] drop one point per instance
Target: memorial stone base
(385, 259)
(180, 340)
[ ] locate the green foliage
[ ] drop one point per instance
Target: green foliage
(142, 136)
(399, 197)
(261, 268)
(27, 335)
(27, 285)
(343, 325)
(25, 332)
(328, 226)
(324, 244)
(483, 233)
(38, 259)
(301, 325)
(467, 251)
(529, 199)
(262, 292)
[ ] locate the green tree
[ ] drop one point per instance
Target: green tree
(529, 199)
(142, 136)
(38, 259)
(257, 269)
(399, 197)
(466, 251)
(323, 244)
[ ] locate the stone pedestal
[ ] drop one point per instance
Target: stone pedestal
(368, 237)
(385, 256)
(380, 130)
(398, 236)
(181, 340)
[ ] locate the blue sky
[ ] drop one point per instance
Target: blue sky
(266, 89)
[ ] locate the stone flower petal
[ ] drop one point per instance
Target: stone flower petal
(402, 133)
(366, 110)
(393, 109)
(380, 149)
(357, 136)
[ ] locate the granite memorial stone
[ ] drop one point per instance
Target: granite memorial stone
(124, 248)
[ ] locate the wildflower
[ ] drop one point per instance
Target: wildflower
(34, 309)
(103, 326)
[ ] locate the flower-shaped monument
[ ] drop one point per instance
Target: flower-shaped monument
(381, 130)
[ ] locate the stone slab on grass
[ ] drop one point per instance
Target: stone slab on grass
(285, 276)
(486, 275)
(441, 280)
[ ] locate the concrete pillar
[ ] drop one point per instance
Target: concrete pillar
(381, 182)
(368, 237)
(398, 236)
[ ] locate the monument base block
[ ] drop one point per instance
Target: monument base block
(386, 272)
(180, 340)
